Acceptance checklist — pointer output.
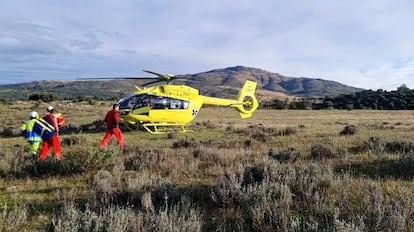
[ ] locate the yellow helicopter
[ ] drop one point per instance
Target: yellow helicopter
(158, 107)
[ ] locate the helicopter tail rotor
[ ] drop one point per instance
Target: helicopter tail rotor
(247, 99)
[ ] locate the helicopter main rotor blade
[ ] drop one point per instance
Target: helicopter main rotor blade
(118, 78)
(152, 82)
(163, 77)
(159, 78)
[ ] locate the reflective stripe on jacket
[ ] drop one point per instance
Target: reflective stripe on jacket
(43, 128)
(29, 134)
(51, 119)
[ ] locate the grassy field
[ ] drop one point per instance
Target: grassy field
(277, 171)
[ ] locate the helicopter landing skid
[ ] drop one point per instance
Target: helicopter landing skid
(131, 127)
(161, 128)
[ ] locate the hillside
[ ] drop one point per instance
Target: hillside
(219, 82)
(274, 82)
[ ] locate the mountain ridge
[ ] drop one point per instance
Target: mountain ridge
(292, 86)
(224, 82)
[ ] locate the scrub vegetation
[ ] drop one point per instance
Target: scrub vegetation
(281, 170)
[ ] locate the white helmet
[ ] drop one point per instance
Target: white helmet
(49, 108)
(33, 114)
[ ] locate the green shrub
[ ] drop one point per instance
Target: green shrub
(399, 147)
(324, 151)
(71, 163)
(348, 130)
(185, 143)
(289, 155)
(45, 97)
(287, 131)
(381, 146)
(92, 102)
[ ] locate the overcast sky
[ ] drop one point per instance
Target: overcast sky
(367, 44)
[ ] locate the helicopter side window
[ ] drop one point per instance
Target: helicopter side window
(161, 103)
(158, 103)
(178, 104)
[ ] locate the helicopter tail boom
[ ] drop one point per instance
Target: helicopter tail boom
(246, 103)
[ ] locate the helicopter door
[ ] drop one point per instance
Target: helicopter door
(165, 109)
(141, 105)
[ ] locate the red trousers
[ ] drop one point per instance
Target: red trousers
(109, 132)
(47, 144)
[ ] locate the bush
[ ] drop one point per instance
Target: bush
(287, 131)
(324, 151)
(10, 132)
(399, 147)
(174, 219)
(45, 97)
(73, 140)
(381, 146)
(95, 126)
(261, 133)
(184, 143)
(291, 154)
(72, 163)
(348, 130)
(92, 102)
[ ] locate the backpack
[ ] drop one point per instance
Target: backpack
(60, 119)
(44, 129)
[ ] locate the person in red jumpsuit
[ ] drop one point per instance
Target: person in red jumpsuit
(54, 141)
(112, 128)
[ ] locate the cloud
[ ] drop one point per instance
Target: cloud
(22, 42)
(393, 74)
(89, 41)
(365, 44)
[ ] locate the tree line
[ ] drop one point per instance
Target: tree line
(400, 99)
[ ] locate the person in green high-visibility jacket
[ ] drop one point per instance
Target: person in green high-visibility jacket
(33, 138)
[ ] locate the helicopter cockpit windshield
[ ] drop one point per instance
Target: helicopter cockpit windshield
(134, 101)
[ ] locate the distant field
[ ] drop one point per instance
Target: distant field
(311, 122)
(281, 170)
(82, 113)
